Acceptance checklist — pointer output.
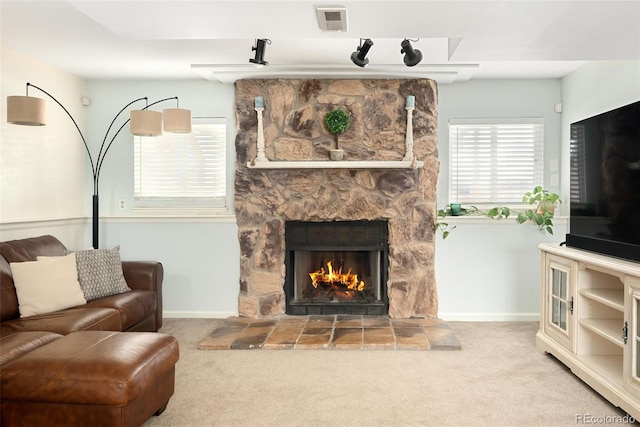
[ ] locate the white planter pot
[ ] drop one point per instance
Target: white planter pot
(336, 154)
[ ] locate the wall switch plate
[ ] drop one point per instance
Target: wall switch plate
(554, 166)
(554, 180)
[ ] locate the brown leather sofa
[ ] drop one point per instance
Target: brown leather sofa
(83, 347)
(137, 311)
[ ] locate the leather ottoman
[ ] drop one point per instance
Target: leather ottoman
(92, 378)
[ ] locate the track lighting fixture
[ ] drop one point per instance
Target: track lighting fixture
(259, 48)
(359, 56)
(411, 56)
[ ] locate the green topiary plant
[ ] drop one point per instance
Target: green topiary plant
(337, 122)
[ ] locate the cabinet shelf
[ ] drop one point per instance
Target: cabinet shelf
(613, 298)
(609, 367)
(609, 329)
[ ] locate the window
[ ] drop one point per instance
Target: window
(177, 171)
(495, 160)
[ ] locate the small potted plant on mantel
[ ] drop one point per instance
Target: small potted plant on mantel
(541, 216)
(337, 122)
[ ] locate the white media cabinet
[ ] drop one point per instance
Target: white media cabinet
(590, 320)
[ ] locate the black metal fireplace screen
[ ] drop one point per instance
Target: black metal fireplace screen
(336, 267)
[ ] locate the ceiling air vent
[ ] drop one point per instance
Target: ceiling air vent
(332, 18)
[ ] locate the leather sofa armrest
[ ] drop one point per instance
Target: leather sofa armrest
(146, 275)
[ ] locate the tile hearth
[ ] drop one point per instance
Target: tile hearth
(337, 332)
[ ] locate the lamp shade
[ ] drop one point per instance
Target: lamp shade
(146, 123)
(176, 120)
(26, 110)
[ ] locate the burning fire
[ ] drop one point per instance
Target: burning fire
(332, 277)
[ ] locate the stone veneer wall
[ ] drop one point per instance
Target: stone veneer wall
(294, 130)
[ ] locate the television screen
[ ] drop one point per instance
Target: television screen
(605, 183)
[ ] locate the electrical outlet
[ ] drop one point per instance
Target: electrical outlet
(122, 204)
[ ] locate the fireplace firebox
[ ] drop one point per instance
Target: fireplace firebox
(336, 267)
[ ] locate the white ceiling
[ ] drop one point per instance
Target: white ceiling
(211, 39)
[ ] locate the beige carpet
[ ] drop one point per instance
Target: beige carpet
(498, 379)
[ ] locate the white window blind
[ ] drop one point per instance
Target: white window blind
(182, 170)
(495, 160)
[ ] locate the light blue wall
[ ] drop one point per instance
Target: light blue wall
(499, 99)
(501, 275)
(200, 254)
(200, 260)
(203, 98)
(486, 270)
(489, 269)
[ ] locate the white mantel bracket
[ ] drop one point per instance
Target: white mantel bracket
(261, 157)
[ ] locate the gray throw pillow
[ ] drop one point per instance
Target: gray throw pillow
(100, 273)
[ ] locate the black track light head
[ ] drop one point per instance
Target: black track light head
(359, 56)
(411, 56)
(259, 48)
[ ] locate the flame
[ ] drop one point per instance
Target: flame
(331, 277)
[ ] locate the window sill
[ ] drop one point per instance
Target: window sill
(481, 219)
(151, 218)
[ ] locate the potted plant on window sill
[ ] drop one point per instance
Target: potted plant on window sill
(541, 215)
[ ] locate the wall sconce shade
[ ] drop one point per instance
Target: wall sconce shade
(259, 48)
(26, 110)
(146, 123)
(176, 120)
(411, 57)
(359, 56)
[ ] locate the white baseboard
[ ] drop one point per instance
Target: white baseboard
(198, 314)
(490, 317)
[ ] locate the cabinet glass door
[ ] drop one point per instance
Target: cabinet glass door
(559, 298)
(636, 339)
(558, 321)
(632, 331)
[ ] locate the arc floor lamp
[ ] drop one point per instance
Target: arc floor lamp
(30, 111)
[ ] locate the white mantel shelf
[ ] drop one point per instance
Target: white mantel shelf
(329, 164)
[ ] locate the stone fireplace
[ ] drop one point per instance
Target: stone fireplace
(404, 199)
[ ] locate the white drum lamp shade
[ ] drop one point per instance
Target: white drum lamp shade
(26, 110)
(146, 123)
(177, 120)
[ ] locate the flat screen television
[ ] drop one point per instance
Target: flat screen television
(605, 183)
